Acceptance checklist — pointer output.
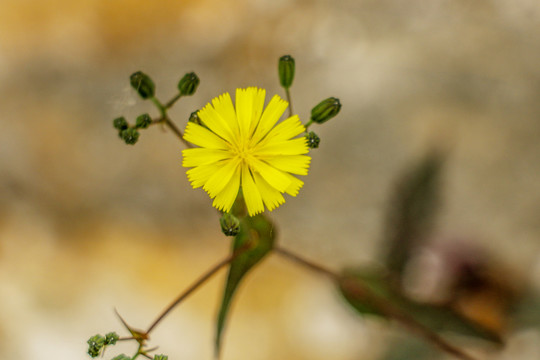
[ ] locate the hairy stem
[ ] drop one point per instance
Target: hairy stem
(362, 293)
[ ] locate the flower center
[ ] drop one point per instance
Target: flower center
(243, 152)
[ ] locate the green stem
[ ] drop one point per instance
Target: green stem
(288, 94)
(159, 105)
(165, 118)
(176, 131)
(139, 352)
(308, 124)
(171, 102)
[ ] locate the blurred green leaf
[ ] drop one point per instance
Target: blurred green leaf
(437, 318)
(409, 347)
(412, 211)
(258, 233)
(526, 312)
(373, 280)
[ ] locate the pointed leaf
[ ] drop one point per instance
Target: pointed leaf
(258, 232)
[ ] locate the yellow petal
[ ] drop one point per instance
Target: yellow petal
(215, 122)
(252, 196)
(225, 199)
(275, 108)
(258, 105)
(295, 186)
(203, 137)
(286, 130)
(270, 196)
(202, 156)
(199, 175)
(283, 147)
(217, 181)
(224, 107)
(273, 176)
(244, 110)
(295, 164)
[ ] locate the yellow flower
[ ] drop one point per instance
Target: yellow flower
(244, 148)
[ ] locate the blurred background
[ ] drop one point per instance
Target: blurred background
(89, 224)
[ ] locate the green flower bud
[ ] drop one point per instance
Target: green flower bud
(130, 136)
(121, 357)
(194, 117)
(120, 123)
(143, 121)
(325, 110)
(312, 140)
(111, 338)
(230, 225)
(188, 84)
(286, 71)
(95, 344)
(142, 84)
(161, 357)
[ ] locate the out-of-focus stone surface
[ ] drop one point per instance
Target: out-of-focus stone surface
(88, 223)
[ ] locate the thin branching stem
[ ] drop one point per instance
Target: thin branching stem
(307, 263)
(206, 276)
(308, 124)
(171, 102)
(358, 290)
(164, 119)
(176, 131)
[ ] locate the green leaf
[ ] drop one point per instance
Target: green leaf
(257, 232)
(436, 318)
(412, 211)
(374, 281)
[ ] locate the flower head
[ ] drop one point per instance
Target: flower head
(242, 147)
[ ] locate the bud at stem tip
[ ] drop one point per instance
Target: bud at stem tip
(286, 69)
(325, 110)
(188, 84)
(142, 84)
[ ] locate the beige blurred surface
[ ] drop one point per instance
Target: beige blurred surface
(88, 224)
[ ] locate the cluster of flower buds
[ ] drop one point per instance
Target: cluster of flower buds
(145, 87)
(130, 134)
(97, 343)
